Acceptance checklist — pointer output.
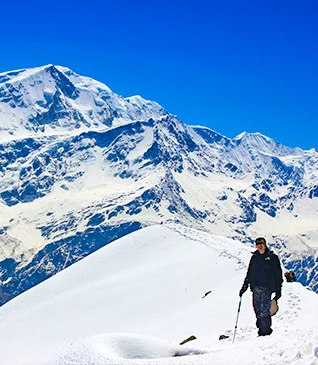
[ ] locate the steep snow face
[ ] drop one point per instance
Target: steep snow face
(135, 300)
(66, 192)
(265, 144)
(55, 100)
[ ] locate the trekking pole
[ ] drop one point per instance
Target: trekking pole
(238, 312)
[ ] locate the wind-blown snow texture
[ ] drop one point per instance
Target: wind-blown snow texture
(81, 166)
(135, 300)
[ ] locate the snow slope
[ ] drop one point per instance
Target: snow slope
(134, 300)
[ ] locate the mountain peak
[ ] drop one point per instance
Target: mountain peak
(53, 99)
(22, 74)
(141, 102)
(264, 144)
(254, 135)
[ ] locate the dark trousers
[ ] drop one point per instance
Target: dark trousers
(262, 305)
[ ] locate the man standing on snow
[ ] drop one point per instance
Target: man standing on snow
(264, 275)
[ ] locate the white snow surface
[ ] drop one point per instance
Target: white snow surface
(28, 94)
(133, 301)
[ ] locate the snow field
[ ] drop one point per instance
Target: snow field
(135, 300)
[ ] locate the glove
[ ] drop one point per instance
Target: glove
(278, 294)
(243, 290)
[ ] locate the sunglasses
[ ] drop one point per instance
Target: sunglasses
(259, 243)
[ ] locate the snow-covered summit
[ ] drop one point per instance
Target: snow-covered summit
(16, 76)
(265, 144)
(141, 102)
(83, 81)
(54, 100)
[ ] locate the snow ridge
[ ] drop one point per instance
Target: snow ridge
(132, 302)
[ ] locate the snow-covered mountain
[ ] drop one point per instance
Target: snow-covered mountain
(133, 301)
(82, 166)
(53, 99)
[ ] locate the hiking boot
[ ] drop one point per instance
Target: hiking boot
(265, 333)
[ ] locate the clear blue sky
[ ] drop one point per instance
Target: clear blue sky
(231, 65)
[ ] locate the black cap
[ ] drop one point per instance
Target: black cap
(260, 240)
